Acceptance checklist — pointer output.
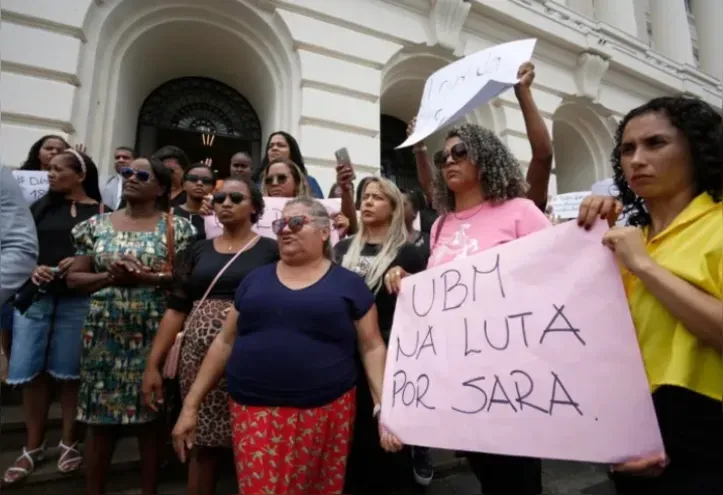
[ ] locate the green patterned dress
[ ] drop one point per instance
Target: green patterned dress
(122, 321)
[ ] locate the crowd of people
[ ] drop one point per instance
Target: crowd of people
(278, 346)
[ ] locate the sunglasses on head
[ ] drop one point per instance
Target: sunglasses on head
(279, 179)
(236, 197)
(206, 181)
(295, 224)
(457, 152)
(140, 175)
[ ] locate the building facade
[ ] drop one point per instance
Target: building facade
(337, 73)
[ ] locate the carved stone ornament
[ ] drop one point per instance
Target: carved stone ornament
(591, 68)
(446, 19)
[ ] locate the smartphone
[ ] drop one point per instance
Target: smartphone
(342, 156)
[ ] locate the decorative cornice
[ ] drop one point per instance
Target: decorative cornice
(590, 70)
(446, 20)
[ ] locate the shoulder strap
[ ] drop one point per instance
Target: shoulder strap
(169, 236)
(222, 270)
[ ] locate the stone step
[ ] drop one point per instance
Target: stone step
(12, 427)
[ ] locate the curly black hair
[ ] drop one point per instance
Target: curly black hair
(703, 128)
(499, 170)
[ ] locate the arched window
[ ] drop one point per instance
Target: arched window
(397, 165)
(181, 111)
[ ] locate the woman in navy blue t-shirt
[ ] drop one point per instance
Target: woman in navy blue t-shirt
(288, 347)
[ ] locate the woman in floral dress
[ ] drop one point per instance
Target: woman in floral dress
(124, 258)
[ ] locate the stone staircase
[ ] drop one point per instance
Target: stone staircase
(125, 470)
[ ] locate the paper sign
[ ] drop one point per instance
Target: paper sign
(460, 87)
(33, 183)
(605, 187)
(272, 211)
(566, 206)
(525, 349)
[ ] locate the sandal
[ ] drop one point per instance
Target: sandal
(15, 473)
(70, 458)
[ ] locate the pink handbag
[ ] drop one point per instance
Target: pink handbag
(170, 367)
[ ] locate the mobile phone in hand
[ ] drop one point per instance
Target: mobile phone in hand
(342, 156)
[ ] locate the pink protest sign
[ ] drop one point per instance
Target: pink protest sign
(272, 211)
(525, 349)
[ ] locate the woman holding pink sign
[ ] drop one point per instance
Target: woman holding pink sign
(668, 168)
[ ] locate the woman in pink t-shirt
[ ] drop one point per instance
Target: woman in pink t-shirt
(479, 192)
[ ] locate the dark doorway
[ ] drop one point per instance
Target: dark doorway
(396, 165)
(185, 112)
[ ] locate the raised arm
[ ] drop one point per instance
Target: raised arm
(540, 167)
(18, 239)
(421, 160)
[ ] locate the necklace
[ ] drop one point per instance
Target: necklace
(470, 215)
(232, 248)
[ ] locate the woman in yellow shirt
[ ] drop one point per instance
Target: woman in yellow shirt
(668, 165)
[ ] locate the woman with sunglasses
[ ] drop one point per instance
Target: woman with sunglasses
(198, 182)
(288, 347)
(238, 205)
(479, 192)
(282, 145)
(46, 334)
(283, 179)
(123, 259)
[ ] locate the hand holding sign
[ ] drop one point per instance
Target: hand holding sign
(460, 87)
(512, 352)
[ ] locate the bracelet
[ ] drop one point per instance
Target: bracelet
(377, 410)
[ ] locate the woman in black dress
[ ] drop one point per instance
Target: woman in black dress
(238, 204)
(381, 243)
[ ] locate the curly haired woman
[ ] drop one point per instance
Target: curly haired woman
(668, 164)
(479, 192)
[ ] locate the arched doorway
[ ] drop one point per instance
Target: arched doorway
(186, 112)
(396, 165)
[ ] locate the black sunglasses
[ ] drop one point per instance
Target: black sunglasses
(206, 181)
(457, 152)
(236, 197)
(295, 224)
(141, 175)
(279, 179)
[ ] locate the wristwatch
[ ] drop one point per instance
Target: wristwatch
(377, 410)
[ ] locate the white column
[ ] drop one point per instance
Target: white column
(671, 31)
(709, 26)
(619, 14)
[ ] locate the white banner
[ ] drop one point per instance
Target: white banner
(460, 87)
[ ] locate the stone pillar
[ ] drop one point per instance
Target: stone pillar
(671, 31)
(619, 14)
(709, 26)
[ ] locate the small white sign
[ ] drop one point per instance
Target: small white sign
(605, 187)
(460, 87)
(566, 206)
(34, 184)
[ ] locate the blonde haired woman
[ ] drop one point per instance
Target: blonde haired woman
(284, 179)
(382, 242)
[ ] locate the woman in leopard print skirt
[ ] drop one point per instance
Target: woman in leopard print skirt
(237, 204)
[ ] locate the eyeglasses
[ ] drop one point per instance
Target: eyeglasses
(236, 197)
(206, 181)
(458, 152)
(279, 179)
(141, 175)
(295, 224)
